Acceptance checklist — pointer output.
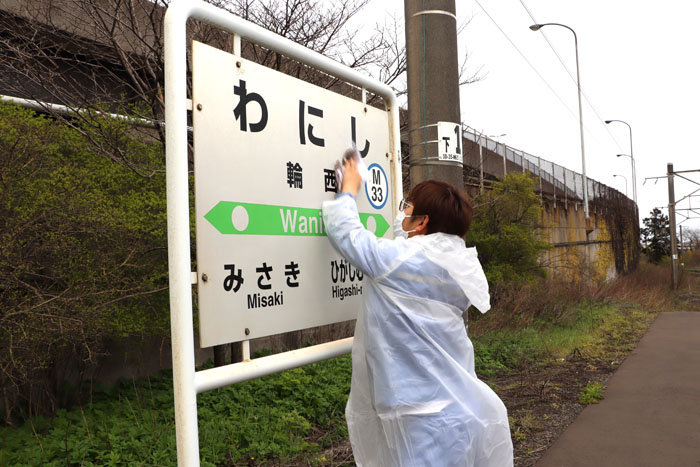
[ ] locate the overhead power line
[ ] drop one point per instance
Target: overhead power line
(573, 114)
(590, 104)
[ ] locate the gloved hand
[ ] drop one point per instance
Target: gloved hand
(352, 180)
(351, 158)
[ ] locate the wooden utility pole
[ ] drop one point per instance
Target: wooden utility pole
(433, 87)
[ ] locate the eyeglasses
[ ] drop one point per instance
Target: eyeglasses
(403, 204)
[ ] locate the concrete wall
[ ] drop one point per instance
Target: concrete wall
(580, 250)
(600, 248)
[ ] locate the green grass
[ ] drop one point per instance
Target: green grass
(594, 330)
(592, 393)
(296, 412)
(290, 415)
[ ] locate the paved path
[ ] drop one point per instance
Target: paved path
(651, 412)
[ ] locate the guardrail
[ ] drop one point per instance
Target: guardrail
(491, 159)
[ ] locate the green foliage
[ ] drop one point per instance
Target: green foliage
(504, 230)
(593, 329)
(83, 250)
(591, 394)
(274, 417)
(656, 236)
(522, 423)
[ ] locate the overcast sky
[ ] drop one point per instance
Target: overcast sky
(638, 63)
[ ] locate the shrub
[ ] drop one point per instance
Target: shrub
(282, 415)
(83, 255)
(592, 393)
(504, 230)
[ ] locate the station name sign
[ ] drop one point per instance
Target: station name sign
(264, 148)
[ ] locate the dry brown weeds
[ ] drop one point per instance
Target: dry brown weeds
(521, 305)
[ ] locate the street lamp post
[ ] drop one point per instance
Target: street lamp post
(536, 27)
(616, 175)
(631, 156)
(634, 177)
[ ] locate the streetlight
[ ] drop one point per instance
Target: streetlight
(615, 175)
(634, 178)
(631, 156)
(536, 27)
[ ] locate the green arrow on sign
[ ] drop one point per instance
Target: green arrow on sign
(380, 224)
(231, 218)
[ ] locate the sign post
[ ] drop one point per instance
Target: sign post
(240, 184)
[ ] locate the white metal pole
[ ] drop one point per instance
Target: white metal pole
(245, 346)
(634, 170)
(237, 45)
(580, 120)
(634, 180)
(43, 106)
(218, 377)
(177, 189)
(625, 178)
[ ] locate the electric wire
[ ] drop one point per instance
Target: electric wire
(526, 60)
(590, 104)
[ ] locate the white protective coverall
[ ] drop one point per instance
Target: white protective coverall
(415, 399)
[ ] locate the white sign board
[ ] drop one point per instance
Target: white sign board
(449, 141)
(265, 145)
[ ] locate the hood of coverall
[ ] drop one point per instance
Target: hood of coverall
(449, 252)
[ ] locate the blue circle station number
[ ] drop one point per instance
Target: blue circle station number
(377, 186)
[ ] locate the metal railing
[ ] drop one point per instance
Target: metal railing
(492, 160)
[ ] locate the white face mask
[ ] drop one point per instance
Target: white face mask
(399, 232)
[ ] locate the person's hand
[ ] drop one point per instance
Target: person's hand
(351, 179)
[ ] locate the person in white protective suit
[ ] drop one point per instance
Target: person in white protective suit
(415, 399)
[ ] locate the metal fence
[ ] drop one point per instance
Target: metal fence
(489, 160)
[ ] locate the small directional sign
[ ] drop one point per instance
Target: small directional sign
(450, 142)
(231, 218)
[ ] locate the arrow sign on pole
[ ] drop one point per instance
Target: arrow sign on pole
(231, 218)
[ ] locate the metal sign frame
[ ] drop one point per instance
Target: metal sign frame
(186, 381)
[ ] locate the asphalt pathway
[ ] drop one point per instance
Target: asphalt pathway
(650, 415)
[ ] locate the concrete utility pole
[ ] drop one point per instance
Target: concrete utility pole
(433, 86)
(672, 222)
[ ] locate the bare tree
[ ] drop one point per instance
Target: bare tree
(692, 238)
(83, 53)
(467, 75)
(108, 54)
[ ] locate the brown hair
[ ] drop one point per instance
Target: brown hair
(448, 210)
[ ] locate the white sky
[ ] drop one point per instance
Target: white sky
(638, 63)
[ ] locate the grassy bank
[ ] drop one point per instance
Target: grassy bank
(594, 330)
(279, 416)
(538, 348)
